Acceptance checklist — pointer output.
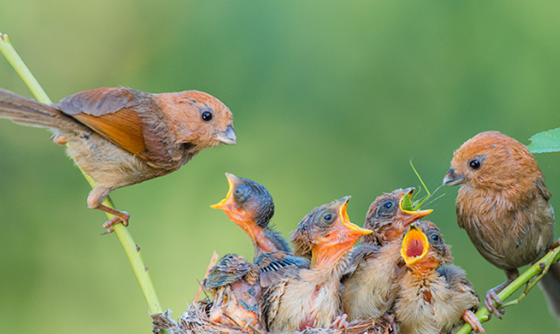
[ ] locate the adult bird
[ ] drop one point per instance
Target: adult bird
(310, 298)
(434, 296)
(503, 206)
(371, 283)
(121, 136)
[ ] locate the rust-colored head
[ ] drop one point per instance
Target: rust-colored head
(493, 161)
(199, 118)
(388, 219)
(250, 206)
(327, 233)
(423, 247)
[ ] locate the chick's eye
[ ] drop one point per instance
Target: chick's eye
(434, 237)
(327, 218)
(206, 116)
(474, 164)
(388, 205)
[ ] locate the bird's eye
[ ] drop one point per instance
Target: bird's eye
(434, 237)
(206, 116)
(474, 164)
(327, 217)
(388, 205)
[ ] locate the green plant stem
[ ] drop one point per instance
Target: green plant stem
(130, 247)
(521, 281)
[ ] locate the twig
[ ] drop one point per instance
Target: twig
(131, 249)
(213, 261)
(483, 314)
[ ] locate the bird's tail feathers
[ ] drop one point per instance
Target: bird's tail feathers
(26, 111)
(550, 284)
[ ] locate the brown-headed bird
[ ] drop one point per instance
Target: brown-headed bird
(434, 296)
(371, 284)
(121, 136)
(310, 298)
(503, 206)
(235, 283)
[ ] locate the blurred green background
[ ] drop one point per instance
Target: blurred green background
(330, 98)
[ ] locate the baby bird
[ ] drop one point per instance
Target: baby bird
(235, 283)
(503, 206)
(121, 136)
(434, 296)
(311, 297)
(371, 284)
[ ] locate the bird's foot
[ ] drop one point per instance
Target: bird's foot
(340, 322)
(496, 309)
(472, 320)
(391, 320)
(120, 217)
(60, 139)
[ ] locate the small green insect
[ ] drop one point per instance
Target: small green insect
(408, 203)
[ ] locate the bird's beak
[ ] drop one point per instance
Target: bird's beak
(227, 137)
(414, 246)
(412, 215)
(354, 231)
(227, 202)
(452, 179)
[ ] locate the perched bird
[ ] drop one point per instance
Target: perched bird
(235, 283)
(305, 298)
(503, 206)
(122, 136)
(371, 284)
(434, 296)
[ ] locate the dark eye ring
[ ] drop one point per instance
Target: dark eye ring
(388, 205)
(327, 217)
(474, 164)
(206, 116)
(434, 237)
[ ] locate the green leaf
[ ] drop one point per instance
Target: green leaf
(546, 141)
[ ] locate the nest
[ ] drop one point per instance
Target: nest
(196, 320)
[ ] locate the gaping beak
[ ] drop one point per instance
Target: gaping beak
(414, 246)
(355, 232)
(227, 137)
(452, 179)
(412, 215)
(223, 204)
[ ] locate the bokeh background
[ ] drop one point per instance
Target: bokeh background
(330, 98)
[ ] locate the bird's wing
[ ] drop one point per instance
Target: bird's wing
(543, 190)
(273, 265)
(111, 113)
(272, 296)
(357, 256)
(457, 280)
(228, 270)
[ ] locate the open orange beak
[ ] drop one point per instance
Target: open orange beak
(415, 245)
(353, 230)
(226, 203)
(413, 215)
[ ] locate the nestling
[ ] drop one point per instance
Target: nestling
(434, 296)
(305, 298)
(371, 284)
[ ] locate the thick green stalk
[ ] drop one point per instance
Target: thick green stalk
(521, 281)
(132, 251)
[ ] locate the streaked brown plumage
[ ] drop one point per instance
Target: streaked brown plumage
(121, 136)
(311, 298)
(434, 296)
(235, 283)
(371, 285)
(503, 206)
